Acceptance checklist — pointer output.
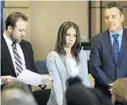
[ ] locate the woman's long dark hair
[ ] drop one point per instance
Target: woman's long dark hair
(61, 42)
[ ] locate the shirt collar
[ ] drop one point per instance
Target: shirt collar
(7, 39)
(120, 32)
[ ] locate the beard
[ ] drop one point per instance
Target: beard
(15, 39)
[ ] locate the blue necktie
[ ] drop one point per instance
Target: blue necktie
(115, 47)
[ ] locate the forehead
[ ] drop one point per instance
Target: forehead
(112, 11)
(71, 30)
(21, 23)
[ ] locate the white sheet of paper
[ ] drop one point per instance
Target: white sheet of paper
(31, 78)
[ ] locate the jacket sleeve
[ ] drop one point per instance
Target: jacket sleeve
(96, 65)
(57, 84)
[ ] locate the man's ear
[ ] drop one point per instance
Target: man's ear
(9, 29)
(122, 16)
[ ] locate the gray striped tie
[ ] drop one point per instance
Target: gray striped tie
(18, 62)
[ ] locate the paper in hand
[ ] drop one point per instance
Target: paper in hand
(31, 78)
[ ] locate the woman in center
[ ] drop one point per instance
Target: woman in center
(67, 60)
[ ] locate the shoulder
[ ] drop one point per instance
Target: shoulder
(52, 54)
(100, 36)
(125, 30)
(26, 45)
(25, 41)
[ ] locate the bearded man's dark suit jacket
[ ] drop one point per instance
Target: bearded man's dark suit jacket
(7, 67)
(102, 65)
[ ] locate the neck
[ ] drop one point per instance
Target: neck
(118, 30)
(68, 52)
(7, 34)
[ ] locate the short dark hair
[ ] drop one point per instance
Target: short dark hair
(13, 18)
(9, 94)
(78, 94)
(60, 43)
(115, 4)
(17, 85)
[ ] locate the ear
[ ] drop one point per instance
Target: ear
(122, 17)
(10, 29)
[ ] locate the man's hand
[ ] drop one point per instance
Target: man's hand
(110, 84)
(46, 79)
(7, 79)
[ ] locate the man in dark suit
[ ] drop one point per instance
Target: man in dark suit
(16, 27)
(11, 63)
(108, 57)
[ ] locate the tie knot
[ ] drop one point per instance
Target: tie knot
(115, 36)
(14, 44)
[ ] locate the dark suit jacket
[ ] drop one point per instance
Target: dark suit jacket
(7, 67)
(102, 65)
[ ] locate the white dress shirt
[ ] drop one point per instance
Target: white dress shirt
(9, 45)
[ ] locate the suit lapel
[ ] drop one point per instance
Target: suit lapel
(24, 49)
(107, 40)
(123, 45)
(7, 53)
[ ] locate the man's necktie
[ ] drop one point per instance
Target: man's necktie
(18, 62)
(115, 47)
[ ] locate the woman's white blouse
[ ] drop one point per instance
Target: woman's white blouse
(73, 66)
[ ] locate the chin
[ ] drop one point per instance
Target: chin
(112, 30)
(18, 41)
(69, 47)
